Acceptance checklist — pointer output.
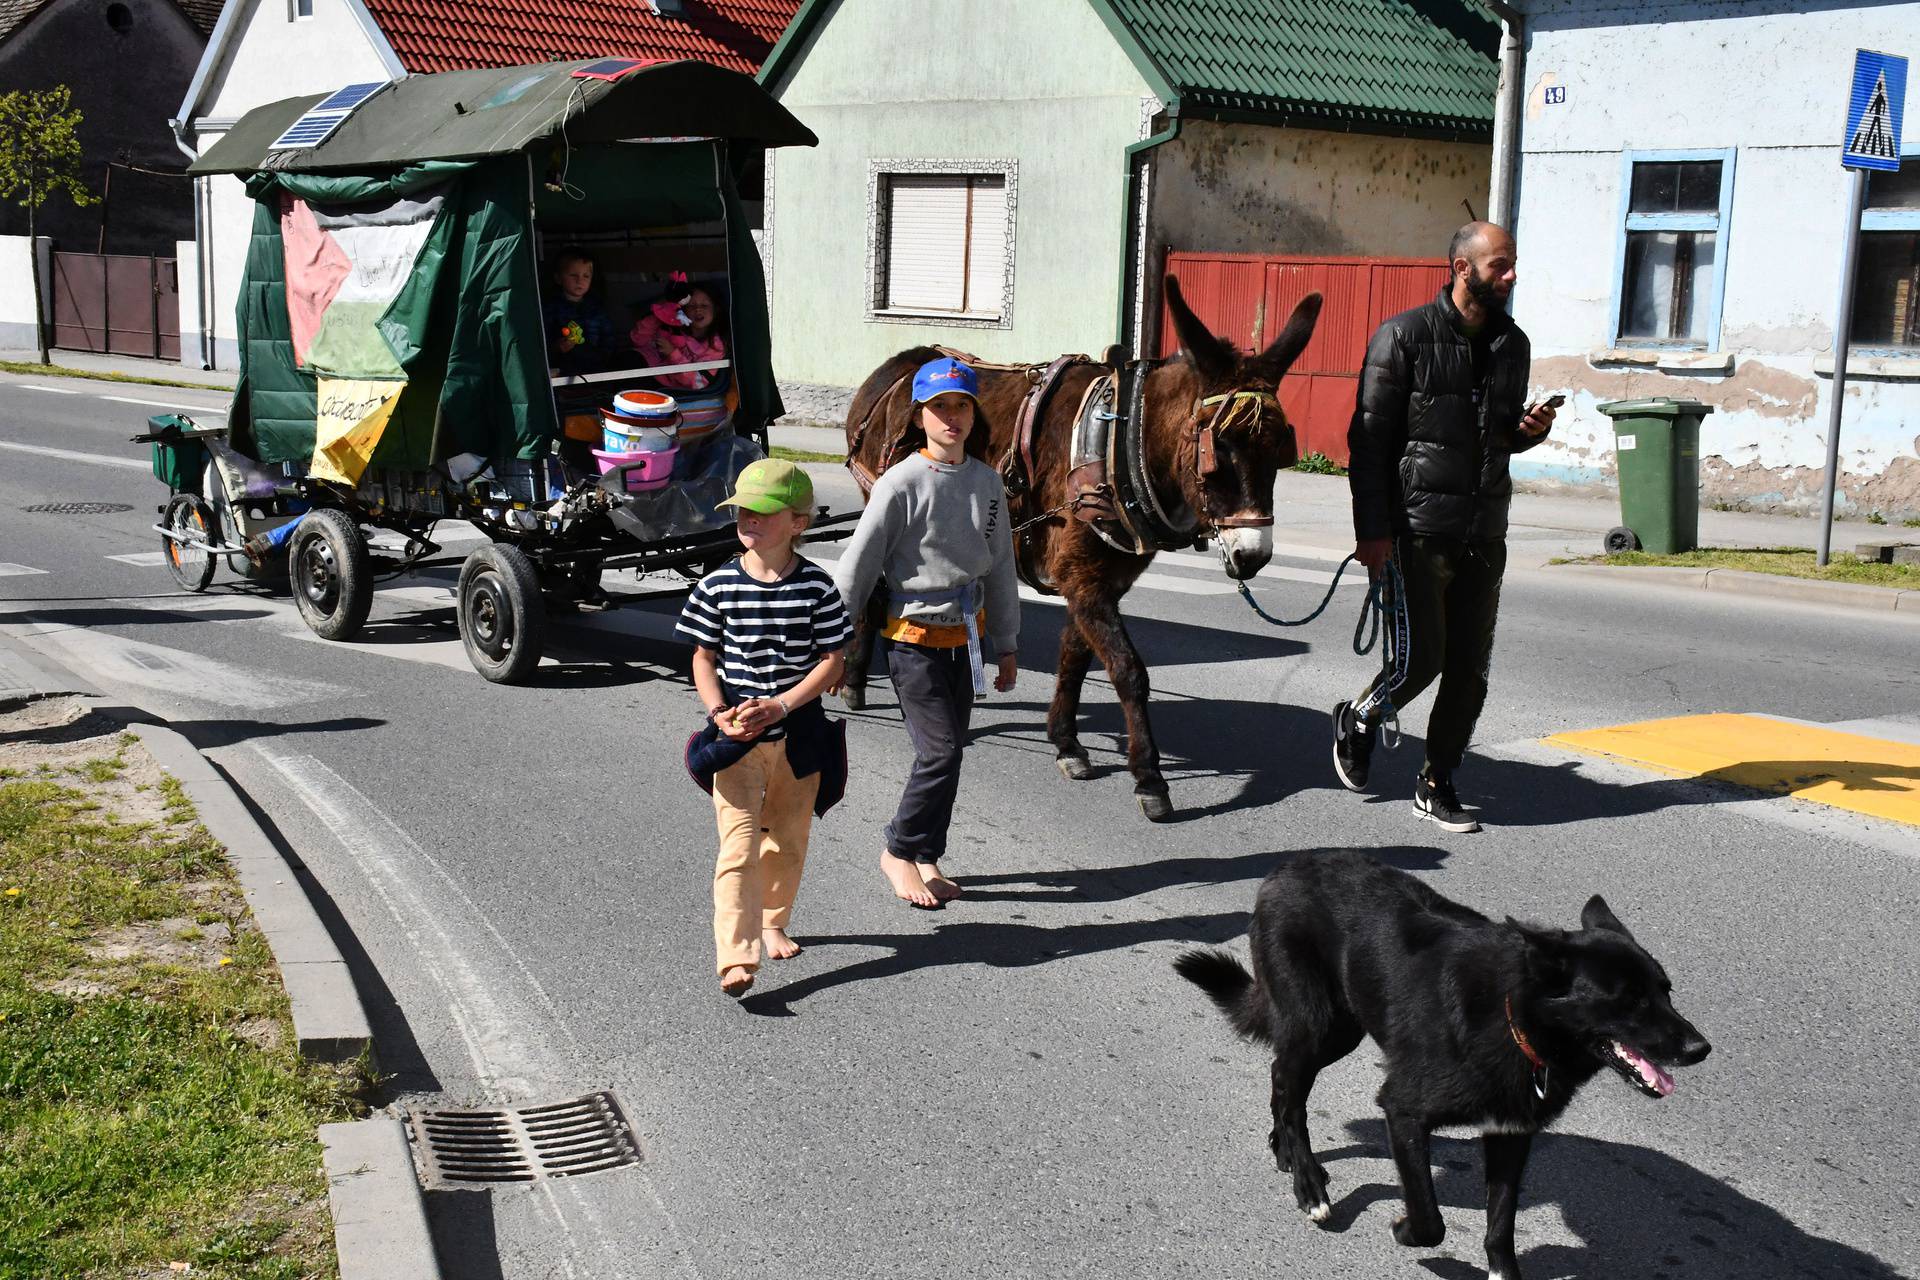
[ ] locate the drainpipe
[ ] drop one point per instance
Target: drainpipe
(1133, 271)
(1503, 201)
(202, 251)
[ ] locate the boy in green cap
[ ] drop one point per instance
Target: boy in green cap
(769, 631)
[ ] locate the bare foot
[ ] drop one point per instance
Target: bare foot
(937, 883)
(736, 981)
(778, 945)
(906, 882)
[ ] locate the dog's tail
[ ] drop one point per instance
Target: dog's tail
(1229, 985)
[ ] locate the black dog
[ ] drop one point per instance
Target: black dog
(1493, 1026)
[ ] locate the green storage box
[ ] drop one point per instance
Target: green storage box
(1657, 448)
(178, 463)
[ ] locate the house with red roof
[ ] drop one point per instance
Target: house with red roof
(266, 50)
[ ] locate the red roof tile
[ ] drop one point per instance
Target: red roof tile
(450, 35)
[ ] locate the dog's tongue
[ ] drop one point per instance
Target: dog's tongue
(1658, 1080)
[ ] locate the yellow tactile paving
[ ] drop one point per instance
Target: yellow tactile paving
(1846, 770)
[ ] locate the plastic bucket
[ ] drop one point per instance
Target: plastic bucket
(701, 416)
(645, 404)
(654, 467)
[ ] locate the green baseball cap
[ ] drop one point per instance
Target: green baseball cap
(771, 485)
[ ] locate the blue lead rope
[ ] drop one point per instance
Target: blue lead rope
(1386, 597)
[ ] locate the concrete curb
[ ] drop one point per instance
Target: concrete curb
(379, 1223)
(1840, 595)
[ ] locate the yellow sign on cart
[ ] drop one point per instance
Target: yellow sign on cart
(353, 415)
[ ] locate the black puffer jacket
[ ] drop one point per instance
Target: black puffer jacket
(1423, 458)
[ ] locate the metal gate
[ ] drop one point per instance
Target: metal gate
(1246, 298)
(116, 304)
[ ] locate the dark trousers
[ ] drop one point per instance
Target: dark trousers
(935, 688)
(1453, 596)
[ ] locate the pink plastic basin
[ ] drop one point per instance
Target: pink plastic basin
(651, 470)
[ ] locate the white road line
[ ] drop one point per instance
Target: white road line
(174, 405)
(142, 559)
(11, 570)
(58, 391)
(172, 673)
(73, 456)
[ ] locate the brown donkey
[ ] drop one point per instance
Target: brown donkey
(1203, 436)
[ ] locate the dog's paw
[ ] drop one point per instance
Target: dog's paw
(1405, 1232)
(1320, 1212)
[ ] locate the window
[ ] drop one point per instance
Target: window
(940, 242)
(1673, 261)
(1886, 289)
(298, 9)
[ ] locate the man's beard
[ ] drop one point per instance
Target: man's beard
(1485, 292)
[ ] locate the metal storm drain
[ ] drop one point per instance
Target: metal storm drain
(78, 508)
(521, 1144)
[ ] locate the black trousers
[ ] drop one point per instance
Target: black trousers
(935, 688)
(1453, 597)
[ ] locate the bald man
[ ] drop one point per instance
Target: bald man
(1441, 407)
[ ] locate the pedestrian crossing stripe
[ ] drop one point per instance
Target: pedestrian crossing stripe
(142, 559)
(10, 570)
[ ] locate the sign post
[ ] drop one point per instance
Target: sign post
(1874, 116)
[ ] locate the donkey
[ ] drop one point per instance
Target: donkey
(1211, 435)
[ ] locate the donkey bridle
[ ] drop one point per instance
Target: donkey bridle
(1233, 408)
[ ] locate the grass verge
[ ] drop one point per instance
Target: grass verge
(1792, 562)
(61, 371)
(805, 455)
(154, 1111)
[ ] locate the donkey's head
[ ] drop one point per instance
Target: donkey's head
(1234, 437)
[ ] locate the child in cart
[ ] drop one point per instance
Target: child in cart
(769, 630)
(580, 337)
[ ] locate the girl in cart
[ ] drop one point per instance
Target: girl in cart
(769, 631)
(683, 327)
(935, 530)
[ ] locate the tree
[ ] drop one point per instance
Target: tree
(40, 157)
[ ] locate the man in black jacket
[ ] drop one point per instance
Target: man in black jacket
(1442, 405)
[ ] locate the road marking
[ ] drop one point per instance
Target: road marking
(174, 405)
(1874, 776)
(58, 391)
(73, 456)
(142, 559)
(174, 673)
(10, 570)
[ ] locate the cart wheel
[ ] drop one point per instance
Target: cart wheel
(190, 563)
(1621, 539)
(332, 578)
(503, 621)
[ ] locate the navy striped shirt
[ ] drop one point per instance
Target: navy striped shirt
(769, 635)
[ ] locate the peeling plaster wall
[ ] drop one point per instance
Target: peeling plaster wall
(1249, 188)
(1700, 75)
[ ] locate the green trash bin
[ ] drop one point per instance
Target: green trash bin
(1657, 447)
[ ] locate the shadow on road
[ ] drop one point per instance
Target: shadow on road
(1636, 1211)
(1114, 884)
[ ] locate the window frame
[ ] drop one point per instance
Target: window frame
(879, 172)
(1887, 220)
(294, 14)
(1717, 222)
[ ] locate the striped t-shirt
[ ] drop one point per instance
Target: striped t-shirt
(769, 635)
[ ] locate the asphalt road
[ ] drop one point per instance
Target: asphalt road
(1019, 1085)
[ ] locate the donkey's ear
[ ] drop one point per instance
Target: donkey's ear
(1274, 362)
(1212, 357)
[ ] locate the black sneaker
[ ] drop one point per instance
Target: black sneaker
(1352, 747)
(1435, 800)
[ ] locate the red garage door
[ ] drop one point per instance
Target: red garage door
(1247, 297)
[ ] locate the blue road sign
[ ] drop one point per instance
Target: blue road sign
(1875, 112)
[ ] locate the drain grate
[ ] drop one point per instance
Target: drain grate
(521, 1144)
(78, 508)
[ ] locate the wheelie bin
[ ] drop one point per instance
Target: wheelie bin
(1657, 449)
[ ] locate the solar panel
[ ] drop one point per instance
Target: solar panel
(319, 121)
(611, 68)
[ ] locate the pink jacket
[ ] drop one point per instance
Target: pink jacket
(661, 343)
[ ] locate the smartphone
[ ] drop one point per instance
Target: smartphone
(1551, 402)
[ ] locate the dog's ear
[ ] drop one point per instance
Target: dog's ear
(1597, 915)
(1549, 956)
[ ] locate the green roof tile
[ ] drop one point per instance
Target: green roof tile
(1403, 63)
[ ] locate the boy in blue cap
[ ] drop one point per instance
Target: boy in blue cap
(936, 531)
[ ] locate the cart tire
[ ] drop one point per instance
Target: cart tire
(191, 567)
(503, 620)
(1621, 539)
(332, 575)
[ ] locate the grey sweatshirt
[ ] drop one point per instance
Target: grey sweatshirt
(930, 527)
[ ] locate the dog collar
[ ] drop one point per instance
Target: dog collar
(1538, 1063)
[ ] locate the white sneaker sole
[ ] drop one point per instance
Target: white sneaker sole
(1464, 825)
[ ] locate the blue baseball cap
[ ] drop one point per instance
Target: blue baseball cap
(937, 377)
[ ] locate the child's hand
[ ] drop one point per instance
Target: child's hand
(571, 335)
(758, 715)
(727, 720)
(1008, 673)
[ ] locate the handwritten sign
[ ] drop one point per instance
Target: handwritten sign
(352, 417)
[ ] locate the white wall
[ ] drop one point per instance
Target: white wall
(16, 291)
(1699, 75)
(267, 58)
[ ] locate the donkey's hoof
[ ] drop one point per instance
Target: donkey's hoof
(853, 697)
(1074, 768)
(1155, 805)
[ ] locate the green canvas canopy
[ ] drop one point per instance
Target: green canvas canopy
(392, 271)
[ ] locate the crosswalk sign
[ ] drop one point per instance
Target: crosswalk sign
(1875, 111)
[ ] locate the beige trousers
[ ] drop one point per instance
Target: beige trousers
(765, 815)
